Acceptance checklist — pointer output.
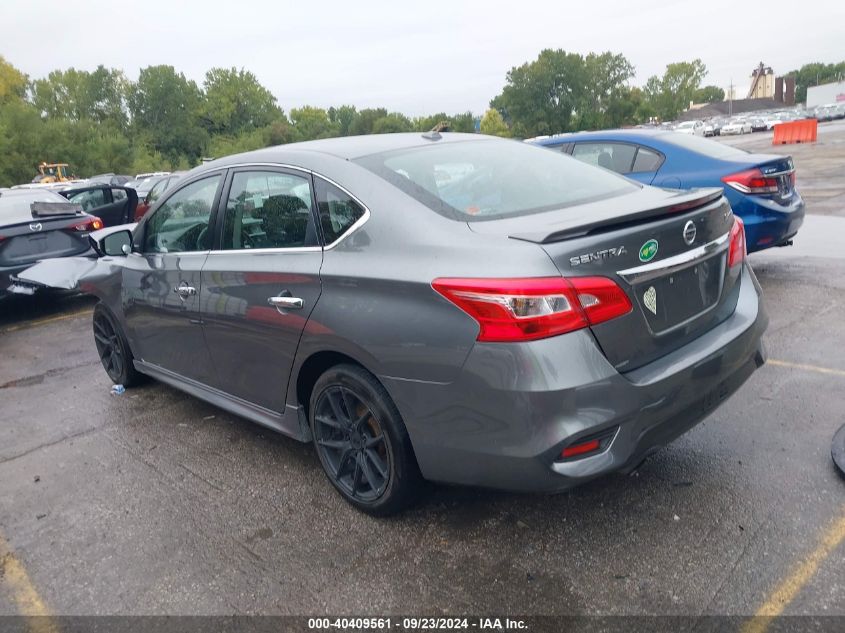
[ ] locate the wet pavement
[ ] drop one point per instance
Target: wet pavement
(154, 502)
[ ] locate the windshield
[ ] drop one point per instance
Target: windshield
(486, 180)
(687, 124)
(705, 146)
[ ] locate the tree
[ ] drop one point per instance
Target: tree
(709, 94)
(393, 122)
(492, 123)
(312, 123)
(13, 83)
(363, 123)
(560, 92)
(671, 94)
(165, 109)
(79, 95)
(235, 102)
(343, 117)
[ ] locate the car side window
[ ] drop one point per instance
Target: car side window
(117, 195)
(89, 199)
(646, 160)
(181, 223)
(157, 190)
(338, 210)
(617, 157)
(268, 209)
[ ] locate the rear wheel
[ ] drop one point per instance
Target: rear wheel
(362, 442)
(113, 349)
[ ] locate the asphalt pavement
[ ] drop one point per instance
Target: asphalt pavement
(154, 502)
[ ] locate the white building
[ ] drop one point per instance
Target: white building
(826, 93)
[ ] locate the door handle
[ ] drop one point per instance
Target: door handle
(285, 303)
(185, 291)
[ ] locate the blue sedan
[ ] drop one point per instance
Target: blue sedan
(760, 187)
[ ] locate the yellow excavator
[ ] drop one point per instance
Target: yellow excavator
(52, 172)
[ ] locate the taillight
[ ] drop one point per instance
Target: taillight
(91, 224)
(536, 307)
(736, 253)
(751, 181)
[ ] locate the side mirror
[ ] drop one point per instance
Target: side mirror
(117, 244)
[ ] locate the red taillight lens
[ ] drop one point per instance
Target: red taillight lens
(751, 181)
(91, 224)
(737, 253)
(534, 308)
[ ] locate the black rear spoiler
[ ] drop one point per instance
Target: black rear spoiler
(614, 222)
(49, 209)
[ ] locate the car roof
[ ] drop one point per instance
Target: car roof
(30, 193)
(632, 135)
(346, 147)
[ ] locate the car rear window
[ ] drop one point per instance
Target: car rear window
(12, 204)
(705, 146)
(488, 180)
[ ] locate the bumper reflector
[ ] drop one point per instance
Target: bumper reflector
(579, 449)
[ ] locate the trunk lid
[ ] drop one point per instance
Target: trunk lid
(666, 249)
(42, 238)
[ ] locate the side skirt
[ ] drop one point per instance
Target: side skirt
(288, 423)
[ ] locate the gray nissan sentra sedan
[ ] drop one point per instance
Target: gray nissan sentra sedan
(446, 307)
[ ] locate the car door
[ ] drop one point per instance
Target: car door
(261, 281)
(113, 205)
(162, 280)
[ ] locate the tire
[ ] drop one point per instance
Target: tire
(361, 441)
(113, 348)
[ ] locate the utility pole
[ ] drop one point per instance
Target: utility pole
(731, 97)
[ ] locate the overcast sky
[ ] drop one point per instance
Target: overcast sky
(415, 58)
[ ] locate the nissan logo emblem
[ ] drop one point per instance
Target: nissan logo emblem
(35, 227)
(689, 232)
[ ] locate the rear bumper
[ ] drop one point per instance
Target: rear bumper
(767, 223)
(503, 423)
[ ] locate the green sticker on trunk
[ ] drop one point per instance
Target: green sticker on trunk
(648, 251)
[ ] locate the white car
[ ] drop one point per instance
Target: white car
(740, 126)
(696, 128)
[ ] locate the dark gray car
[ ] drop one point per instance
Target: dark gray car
(452, 307)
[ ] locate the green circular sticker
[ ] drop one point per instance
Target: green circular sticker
(648, 251)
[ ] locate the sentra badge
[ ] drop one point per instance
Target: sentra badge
(597, 256)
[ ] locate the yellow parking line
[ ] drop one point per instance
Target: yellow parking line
(25, 596)
(815, 368)
(36, 323)
(786, 591)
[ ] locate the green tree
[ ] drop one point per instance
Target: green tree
(560, 92)
(709, 94)
(393, 122)
(343, 117)
(671, 94)
(312, 123)
(165, 110)
(363, 123)
(13, 83)
(235, 102)
(492, 123)
(78, 95)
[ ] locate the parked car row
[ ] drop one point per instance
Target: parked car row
(753, 121)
